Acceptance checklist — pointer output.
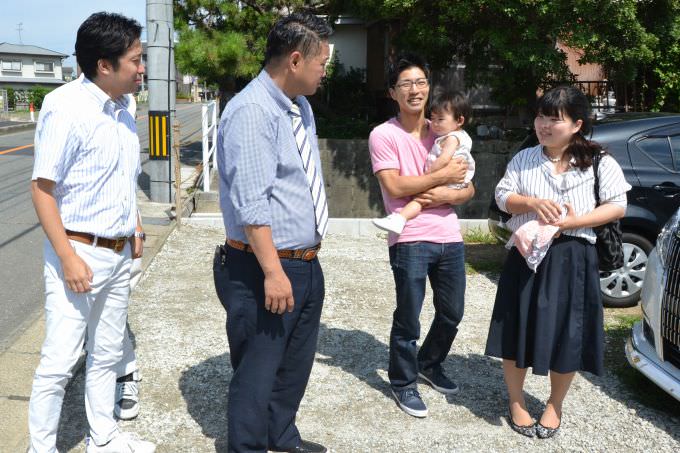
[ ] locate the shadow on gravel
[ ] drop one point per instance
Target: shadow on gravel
(625, 384)
(205, 389)
(355, 352)
(482, 390)
(479, 377)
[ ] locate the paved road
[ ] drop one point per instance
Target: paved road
(21, 237)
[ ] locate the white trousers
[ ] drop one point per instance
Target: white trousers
(128, 363)
(101, 314)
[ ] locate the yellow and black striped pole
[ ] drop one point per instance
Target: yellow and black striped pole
(159, 135)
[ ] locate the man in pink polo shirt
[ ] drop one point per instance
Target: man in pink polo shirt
(430, 245)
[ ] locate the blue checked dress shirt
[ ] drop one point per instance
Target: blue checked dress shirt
(262, 179)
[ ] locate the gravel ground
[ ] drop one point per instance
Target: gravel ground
(181, 343)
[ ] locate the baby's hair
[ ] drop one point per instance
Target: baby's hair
(451, 101)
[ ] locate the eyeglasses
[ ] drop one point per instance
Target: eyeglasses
(405, 85)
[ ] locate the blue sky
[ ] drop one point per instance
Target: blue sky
(53, 24)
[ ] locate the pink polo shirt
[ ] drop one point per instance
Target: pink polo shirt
(391, 147)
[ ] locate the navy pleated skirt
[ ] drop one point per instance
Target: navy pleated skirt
(551, 319)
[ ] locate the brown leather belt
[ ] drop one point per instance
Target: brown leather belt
(300, 254)
(116, 245)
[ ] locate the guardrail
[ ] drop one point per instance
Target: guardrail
(209, 129)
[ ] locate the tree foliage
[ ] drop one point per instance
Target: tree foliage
(223, 41)
(509, 45)
(37, 94)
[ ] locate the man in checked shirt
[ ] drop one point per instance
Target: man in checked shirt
(83, 188)
(273, 202)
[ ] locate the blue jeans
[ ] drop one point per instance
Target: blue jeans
(271, 354)
(412, 263)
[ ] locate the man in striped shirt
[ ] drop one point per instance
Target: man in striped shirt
(273, 202)
(84, 192)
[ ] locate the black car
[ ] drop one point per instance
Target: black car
(647, 147)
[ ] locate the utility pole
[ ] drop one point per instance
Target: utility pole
(161, 84)
(19, 28)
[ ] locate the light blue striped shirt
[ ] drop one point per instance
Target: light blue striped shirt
(530, 173)
(262, 180)
(87, 144)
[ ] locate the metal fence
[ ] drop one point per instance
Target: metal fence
(600, 92)
(209, 129)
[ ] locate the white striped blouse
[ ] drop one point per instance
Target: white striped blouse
(530, 173)
(87, 144)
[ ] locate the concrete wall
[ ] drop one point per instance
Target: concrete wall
(353, 190)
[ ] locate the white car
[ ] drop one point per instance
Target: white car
(654, 344)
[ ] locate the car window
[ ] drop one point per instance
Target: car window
(658, 148)
(675, 146)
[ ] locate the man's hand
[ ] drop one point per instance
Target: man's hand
(137, 248)
(444, 195)
(547, 210)
(436, 196)
(77, 274)
(278, 294)
(455, 171)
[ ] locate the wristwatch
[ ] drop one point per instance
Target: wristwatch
(141, 235)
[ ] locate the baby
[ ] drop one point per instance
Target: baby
(449, 110)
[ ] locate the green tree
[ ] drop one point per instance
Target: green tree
(660, 79)
(11, 98)
(511, 44)
(36, 95)
(223, 41)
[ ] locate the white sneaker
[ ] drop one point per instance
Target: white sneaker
(127, 398)
(393, 222)
(122, 443)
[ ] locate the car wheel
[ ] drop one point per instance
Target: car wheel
(622, 287)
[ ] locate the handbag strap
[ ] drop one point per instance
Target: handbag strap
(596, 164)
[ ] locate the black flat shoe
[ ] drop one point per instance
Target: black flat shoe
(543, 432)
(526, 430)
(307, 446)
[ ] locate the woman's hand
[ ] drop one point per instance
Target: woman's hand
(569, 220)
(548, 211)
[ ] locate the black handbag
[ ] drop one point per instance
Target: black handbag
(609, 242)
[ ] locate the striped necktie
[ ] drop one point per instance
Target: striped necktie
(313, 175)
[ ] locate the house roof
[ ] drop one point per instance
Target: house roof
(36, 80)
(21, 49)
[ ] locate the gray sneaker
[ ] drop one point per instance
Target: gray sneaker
(409, 401)
(438, 380)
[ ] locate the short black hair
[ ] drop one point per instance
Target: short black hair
(403, 62)
(301, 31)
(448, 100)
(104, 36)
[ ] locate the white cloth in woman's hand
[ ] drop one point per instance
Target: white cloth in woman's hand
(533, 240)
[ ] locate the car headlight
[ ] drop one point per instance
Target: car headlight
(663, 242)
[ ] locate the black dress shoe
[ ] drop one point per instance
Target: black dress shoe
(307, 446)
(525, 430)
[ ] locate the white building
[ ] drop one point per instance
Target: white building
(22, 67)
(349, 42)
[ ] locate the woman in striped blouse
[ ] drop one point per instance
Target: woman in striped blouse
(551, 320)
